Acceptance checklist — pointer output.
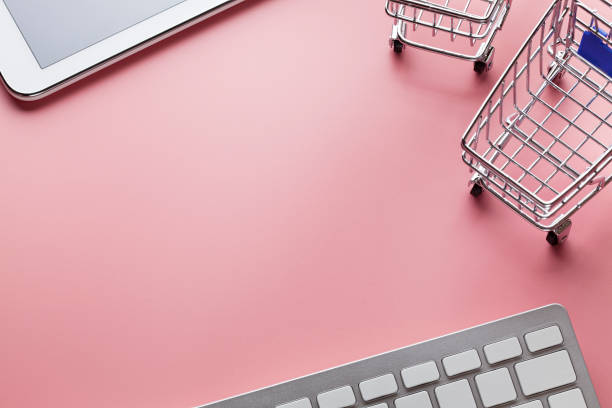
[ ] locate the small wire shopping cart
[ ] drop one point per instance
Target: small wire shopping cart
(542, 141)
(463, 29)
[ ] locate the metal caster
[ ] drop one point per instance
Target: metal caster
(486, 63)
(398, 46)
(394, 39)
(556, 71)
(476, 190)
(476, 186)
(560, 234)
(479, 67)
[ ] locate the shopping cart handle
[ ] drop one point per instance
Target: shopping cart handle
(596, 51)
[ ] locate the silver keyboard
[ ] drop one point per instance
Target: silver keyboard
(531, 360)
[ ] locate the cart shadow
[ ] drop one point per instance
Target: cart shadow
(562, 253)
(481, 204)
(481, 211)
(105, 73)
(458, 78)
(400, 61)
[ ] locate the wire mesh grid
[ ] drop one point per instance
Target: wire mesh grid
(548, 122)
(465, 23)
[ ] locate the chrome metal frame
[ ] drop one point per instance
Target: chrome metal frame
(477, 28)
(528, 160)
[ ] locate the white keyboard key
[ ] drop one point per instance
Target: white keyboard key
(503, 350)
(568, 399)
(495, 387)
(455, 395)
(418, 400)
(545, 373)
(378, 387)
(383, 405)
(532, 404)
(420, 374)
(302, 403)
(339, 398)
(543, 339)
(461, 363)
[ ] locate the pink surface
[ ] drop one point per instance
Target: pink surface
(269, 194)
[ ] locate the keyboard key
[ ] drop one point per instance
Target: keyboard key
(339, 398)
(495, 387)
(302, 403)
(545, 373)
(532, 404)
(383, 405)
(419, 400)
(420, 374)
(378, 387)
(503, 350)
(455, 395)
(461, 363)
(568, 399)
(543, 339)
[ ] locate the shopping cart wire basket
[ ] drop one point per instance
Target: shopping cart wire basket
(542, 141)
(463, 29)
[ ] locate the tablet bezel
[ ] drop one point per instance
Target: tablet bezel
(26, 80)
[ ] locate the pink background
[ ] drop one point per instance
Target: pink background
(266, 195)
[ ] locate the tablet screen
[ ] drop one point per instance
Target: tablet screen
(56, 29)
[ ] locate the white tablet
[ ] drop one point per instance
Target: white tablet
(48, 44)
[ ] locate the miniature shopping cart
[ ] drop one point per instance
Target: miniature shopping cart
(542, 141)
(463, 29)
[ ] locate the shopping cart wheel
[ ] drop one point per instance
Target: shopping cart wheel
(552, 238)
(476, 190)
(480, 67)
(560, 234)
(398, 46)
(486, 63)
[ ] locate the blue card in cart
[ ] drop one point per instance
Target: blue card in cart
(596, 51)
